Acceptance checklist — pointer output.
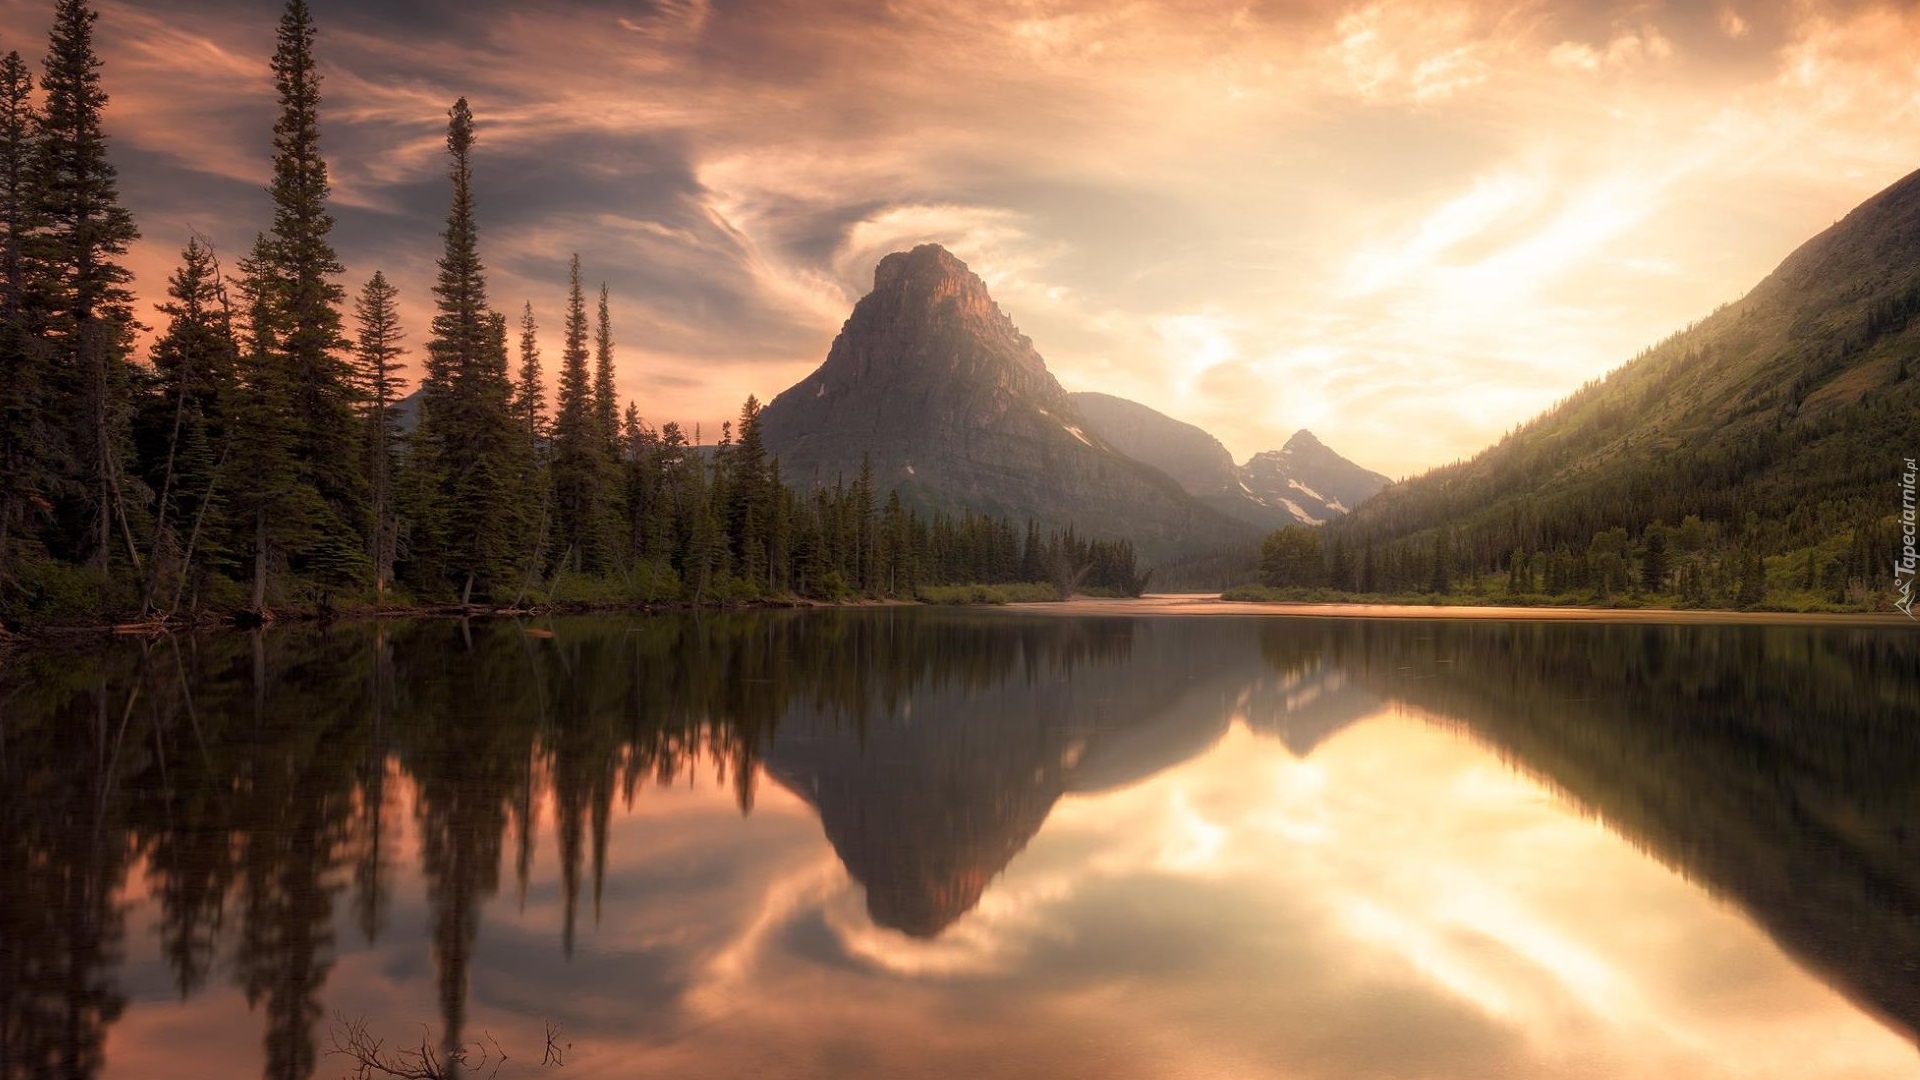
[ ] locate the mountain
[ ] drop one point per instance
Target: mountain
(1309, 481)
(1196, 460)
(934, 384)
(1780, 421)
(927, 798)
(1303, 482)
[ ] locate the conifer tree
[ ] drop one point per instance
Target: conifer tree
(529, 402)
(310, 508)
(82, 232)
(262, 438)
(749, 495)
(577, 495)
(377, 352)
(606, 406)
(24, 431)
(1441, 580)
(468, 437)
(195, 363)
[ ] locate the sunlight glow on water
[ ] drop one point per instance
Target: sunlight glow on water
(1241, 850)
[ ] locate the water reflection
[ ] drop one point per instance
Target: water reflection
(310, 821)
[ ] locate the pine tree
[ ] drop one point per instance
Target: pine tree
(25, 433)
(377, 351)
(1654, 561)
(606, 406)
(529, 401)
(578, 499)
(468, 436)
(1441, 580)
(312, 514)
(864, 573)
(262, 437)
(195, 363)
(749, 495)
(82, 233)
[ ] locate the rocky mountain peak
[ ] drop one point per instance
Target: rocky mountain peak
(1303, 440)
(934, 386)
(928, 266)
(931, 283)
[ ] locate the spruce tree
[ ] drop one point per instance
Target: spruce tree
(470, 443)
(81, 234)
(310, 301)
(575, 474)
(311, 513)
(24, 430)
(606, 405)
(377, 352)
(529, 402)
(262, 437)
(749, 498)
(186, 419)
(1654, 561)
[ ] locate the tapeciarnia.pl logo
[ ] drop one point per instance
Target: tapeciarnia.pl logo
(1904, 565)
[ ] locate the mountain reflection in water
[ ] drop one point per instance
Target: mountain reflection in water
(1271, 846)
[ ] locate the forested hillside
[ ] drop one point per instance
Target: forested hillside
(1755, 454)
(255, 461)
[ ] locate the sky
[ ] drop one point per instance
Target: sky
(1405, 226)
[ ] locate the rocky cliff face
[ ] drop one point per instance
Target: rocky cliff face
(954, 407)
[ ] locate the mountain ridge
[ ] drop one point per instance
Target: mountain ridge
(1303, 482)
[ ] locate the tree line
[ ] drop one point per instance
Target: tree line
(1772, 505)
(267, 455)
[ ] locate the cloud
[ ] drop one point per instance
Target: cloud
(1412, 222)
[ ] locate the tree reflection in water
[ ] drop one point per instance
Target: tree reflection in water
(255, 778)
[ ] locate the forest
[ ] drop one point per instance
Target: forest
(266, 458)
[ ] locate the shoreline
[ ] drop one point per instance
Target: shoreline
(242, 621)
(1187, 604)
(1162, 604)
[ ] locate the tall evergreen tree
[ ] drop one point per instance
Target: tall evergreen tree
(606, 405)
(195, 364)
(313, 516)
(749, 509)
(377, 351)
(469, 441)
(82, 233)
(529, 401)
(578, 477)
(24, 432)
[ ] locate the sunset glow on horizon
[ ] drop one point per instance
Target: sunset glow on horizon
(1406, 226)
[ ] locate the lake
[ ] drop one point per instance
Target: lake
(908, 842)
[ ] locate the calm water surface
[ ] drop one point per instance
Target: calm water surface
(906, 843)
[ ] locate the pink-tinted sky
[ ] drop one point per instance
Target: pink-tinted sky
(1406, 226)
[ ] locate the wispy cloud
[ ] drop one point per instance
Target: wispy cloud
(1406, 224)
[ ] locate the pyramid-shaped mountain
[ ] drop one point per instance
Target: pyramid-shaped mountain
(933, 383)
(1306, 482)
